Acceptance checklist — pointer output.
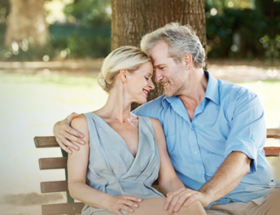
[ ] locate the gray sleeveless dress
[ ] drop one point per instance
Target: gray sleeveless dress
(113, 169)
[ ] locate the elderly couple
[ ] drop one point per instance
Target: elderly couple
(203, 139)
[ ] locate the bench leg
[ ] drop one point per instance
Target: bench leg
(69, 198)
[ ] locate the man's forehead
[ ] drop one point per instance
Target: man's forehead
(161, 60)
(158, 58)
(156, 54)
(159, 52)
(159, 47)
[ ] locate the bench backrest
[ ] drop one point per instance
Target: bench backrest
(72, 207)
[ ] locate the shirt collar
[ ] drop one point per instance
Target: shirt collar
(212, 92)
(168, 100)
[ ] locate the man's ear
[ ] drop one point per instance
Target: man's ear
(187, 61)
(123, 75)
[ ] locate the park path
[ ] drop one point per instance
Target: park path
(238, 71)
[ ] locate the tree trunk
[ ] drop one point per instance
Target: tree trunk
(26, 20)
(132, 19)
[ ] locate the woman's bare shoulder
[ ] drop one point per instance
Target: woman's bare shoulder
(156, 123)
(79, 121)
(80, 124)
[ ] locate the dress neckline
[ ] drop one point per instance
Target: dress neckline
(139, 127)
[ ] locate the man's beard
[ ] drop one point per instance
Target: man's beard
(174, 93)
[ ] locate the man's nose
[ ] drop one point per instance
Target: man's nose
(158, 76)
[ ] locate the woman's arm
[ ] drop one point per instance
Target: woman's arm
(168, 180)
(77, 170)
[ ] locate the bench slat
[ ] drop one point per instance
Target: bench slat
(272, 151)
(54, 186)
(53, 163)
(47, 141)
(65, 208)
(273, 133)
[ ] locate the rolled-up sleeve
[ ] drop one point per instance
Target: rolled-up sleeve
(247, 127)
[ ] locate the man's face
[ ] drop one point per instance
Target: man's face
(170, 74)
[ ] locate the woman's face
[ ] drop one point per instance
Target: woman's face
(139, 83)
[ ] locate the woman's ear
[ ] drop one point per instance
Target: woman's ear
(123, 75)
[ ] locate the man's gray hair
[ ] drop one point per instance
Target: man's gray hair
(180, 39)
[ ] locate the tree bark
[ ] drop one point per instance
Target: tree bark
(132, 19)
(26, 20)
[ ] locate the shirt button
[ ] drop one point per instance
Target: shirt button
(200, 172)
(192, 129)
(195, 152)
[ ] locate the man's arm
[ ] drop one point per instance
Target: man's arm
(228, 176)
(66, 136)
(245, 140)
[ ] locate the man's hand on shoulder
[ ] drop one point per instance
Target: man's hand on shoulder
(66, 136)
(185, 197)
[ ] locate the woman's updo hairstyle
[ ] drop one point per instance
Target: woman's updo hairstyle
(125, 57)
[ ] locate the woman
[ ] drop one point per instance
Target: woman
(123, 153)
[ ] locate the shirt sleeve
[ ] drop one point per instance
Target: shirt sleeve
(247, 127)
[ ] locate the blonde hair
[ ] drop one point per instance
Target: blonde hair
(180, 39)
(125, 57)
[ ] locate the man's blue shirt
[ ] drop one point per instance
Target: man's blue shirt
(230, 118)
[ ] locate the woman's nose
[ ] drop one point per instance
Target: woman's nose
(151, 85)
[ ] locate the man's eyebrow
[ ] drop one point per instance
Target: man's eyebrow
(161, 64)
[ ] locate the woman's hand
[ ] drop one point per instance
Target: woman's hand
(67, 136)
(117, 203)
(184, 197)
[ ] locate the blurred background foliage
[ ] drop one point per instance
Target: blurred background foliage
(78, 29)
(243, 29)
(236, 29)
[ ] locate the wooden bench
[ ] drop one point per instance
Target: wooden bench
(72, 207)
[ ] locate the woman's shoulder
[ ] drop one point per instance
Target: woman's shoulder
(154, 121)
(79, 122)
(158, 130)
(156, 124)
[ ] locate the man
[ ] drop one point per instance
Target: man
(215, 130)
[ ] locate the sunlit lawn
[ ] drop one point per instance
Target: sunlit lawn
(31, 104)
(269, 94)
